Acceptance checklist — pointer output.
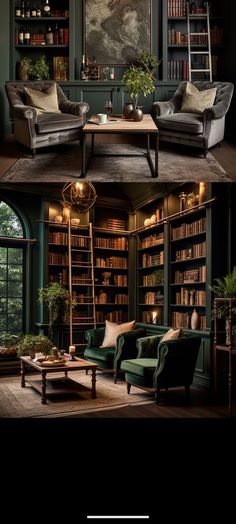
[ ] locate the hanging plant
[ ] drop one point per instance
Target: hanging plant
(57, 299)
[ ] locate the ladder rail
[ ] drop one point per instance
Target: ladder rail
(207, 52)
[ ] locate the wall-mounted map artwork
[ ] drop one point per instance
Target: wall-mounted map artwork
(115, 31)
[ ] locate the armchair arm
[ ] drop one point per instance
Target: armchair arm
(25, 112)
(126, 346)
(163, 108)
(147, 346)
(75, 108)
(216, 111)
(94, 337)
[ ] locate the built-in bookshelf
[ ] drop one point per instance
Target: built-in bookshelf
(175, 40)
(111, 266)
(188, 253)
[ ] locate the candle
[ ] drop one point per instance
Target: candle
(72, 351)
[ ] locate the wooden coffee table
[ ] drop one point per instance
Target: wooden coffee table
(122, 126)
(41, 385)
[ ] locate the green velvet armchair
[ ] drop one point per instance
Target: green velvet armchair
(164, 364)
(110, 358)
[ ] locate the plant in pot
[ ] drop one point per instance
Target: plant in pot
(57, 299)
(31, 344)
(24, 68)
(225, 287)
(8, 344)
(139, 78)
(40, 69)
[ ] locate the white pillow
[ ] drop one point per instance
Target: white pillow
(172, 334)
(195, 101)
(112, 330)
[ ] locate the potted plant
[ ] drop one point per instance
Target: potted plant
(57, 299)
(225, 287)
(24, 68)
(8, 344)
(140, 78)
(31, 344)
(40, 69)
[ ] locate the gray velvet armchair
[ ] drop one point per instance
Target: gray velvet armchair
(199, 130)
(48, 128)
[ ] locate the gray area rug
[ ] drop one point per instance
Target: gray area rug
(62, 163)
(18, 402)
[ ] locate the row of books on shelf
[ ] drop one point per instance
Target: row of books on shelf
(60, 238)
(176, 8)
(112, 262)
(152, 297)
(60, 66)
(83, 278)
(118, 298)
(184, 320)
(117, 316)
(177, 69)
(116, 223)
(112, 243)
(188, 229)
(81, 298)
(152, 240)
(190, 275)
(195, 251)
(152, 317)
(154, 279)
(61, 278)
(179, 38)
(153, 260)
(190, 297)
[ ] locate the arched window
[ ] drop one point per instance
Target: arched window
(11, 270)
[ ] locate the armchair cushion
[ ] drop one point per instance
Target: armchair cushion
(43, 101)
(107, 355)
(112, 330)
(143, 367)
(183, 122)
(52, 122)
(195, 101)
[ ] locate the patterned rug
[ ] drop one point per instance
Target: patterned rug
(18, 402)
(62, 163)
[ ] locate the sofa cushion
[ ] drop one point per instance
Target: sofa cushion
(112, 330)
(172, 334)
(144, 367)
(50, 122)
(43, 100)
(107, 355)
(195, 101)
(184, 122)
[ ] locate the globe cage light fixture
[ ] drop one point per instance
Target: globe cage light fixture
(80, 194)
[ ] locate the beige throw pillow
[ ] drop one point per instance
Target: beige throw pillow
(172, 334)
(112, 330)
(43, 101)
(195, 101)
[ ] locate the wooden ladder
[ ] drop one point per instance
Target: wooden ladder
(192, 17)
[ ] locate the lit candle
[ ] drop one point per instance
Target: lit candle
(71, 349)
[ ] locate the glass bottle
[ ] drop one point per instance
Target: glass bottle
(18, 10)
(82, 69)
(33, 11)
(46, 8)
(27, 10)
(26, 36)
(21, 36)
(22, 14)
(49, 36)
(38, 11)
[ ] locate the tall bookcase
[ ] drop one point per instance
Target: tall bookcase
(111, 265)
(175, 43)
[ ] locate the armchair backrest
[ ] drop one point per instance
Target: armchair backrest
(16, 94)
(177, 361)
(224, 92)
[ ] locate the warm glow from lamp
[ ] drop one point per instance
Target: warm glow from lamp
(154, 317)
(79, 188)
(202, 192)
(66, 212)
(81, 195)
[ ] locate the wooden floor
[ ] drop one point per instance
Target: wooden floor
(10, 151)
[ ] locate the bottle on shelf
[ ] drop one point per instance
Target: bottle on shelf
(82, 68)
(38, 11)
(17, 10)
(26, 36)
(27, 10)
(33, 11)
(21, 36)
(49, 36)
(22, 13)
(56, 35)
(46, 8)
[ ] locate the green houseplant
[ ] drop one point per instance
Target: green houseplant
(30, 344)
(24, 68)
(40, 69)
(57, 299)
(225, 287)
(8, 344)
(140, 77)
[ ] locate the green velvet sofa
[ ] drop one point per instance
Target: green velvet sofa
(110, 358)
(166, 364)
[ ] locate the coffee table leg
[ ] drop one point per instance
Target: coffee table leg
(156, 154)
(93, 392)
(22, 372)
(43, 399)
(82, 174)
(153, 169)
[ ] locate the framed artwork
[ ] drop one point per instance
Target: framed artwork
(115, 31)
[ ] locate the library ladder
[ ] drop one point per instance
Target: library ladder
(198, 36)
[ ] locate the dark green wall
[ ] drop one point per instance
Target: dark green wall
(4, 66)
(230, 61)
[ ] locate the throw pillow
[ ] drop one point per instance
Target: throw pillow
(172, 334)
(43, 101)
(195, 101)
(112, 330)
